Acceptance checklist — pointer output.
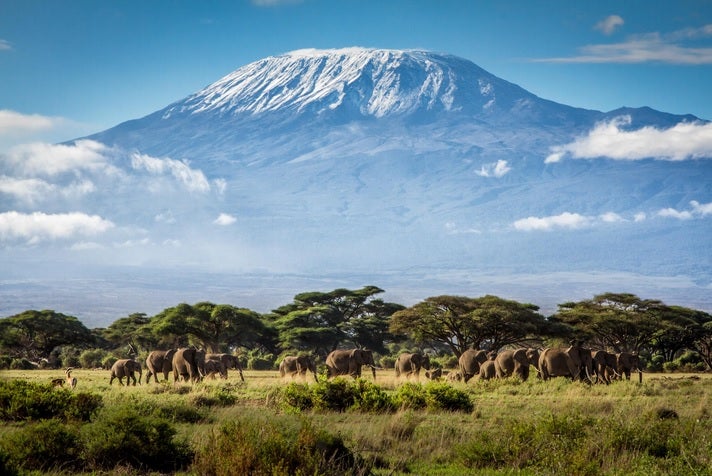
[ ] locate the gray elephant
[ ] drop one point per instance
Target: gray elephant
(604, 365)
(434, 374)
(470, 362)
(488, 370)
(294, 365)
(125, 368)
(410, 364)
(574, 362)
(229, 361)
(159, 361)
(513, 362)
(215, 367)
(188, 363)
(628, 362)
(349, 362)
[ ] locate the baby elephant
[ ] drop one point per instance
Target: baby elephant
(125, 368)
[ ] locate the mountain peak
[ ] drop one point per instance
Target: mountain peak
(364, 81)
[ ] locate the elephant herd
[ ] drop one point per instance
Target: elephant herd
(575, 362)
(189, 363)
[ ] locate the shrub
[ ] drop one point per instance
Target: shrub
(337, 394)
(42, 446)
(120, 436)
(410, 395)
(387, 362)
(21, 364)
(20, 400)
(369, 397)
(92, 358)
(441, 396)
(252, 446)
(298, 396)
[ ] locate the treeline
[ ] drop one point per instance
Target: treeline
(666, 337)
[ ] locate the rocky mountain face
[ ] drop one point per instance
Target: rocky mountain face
(370, 163)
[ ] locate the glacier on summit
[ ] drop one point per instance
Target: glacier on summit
(411, 170)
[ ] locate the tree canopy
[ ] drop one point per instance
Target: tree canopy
(459, 322)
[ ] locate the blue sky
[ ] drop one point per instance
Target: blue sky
(69, 68)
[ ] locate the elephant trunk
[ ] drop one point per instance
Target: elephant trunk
(373, 370)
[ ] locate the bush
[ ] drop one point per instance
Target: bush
(42, 446)
(387, 362)
(410, 395)
(20, 400)
(120, 436)
(92, 358)
(298, 396)
(252, 446)
(369, 397)
(337, 394)
(441, 396)
(21, 364)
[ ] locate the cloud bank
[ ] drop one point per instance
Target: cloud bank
(672, 48)
(684, 141)
(193, 179)
(37, 227)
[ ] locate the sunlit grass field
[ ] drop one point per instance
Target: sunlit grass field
(662, 426)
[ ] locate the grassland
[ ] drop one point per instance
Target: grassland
(662, 426)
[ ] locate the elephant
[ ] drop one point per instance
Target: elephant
(159, 361)
(574, 362)
(299, 364)
(410, 364)
(349, 362)
(188, 363)
(604, 365)
(434, 374)
(229, 361)
(125, 368)
(488, 370)
(213, 367)
(513, 362)
(454, 376)
(470, 362)
(627, 362)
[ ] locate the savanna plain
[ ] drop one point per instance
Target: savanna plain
(269, 425)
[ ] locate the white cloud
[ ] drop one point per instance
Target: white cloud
(38, 226)
(697, 210)
(274, 3)
(5, 45)
(611, 217)
(686, 140)
(193, 179)
(165, 217)
(452, 229)
(640, 216)
(41, 159)
(224, 220)
(29, 190)
(220, 185)
(651, 47)
(609, 24)
(565, 220)
(12, 122)
(496, 169)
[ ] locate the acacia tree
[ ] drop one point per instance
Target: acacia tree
(132, 331)
(34, 334)
(214, 327)
(618, 321)
(460, 323)
(319, 322)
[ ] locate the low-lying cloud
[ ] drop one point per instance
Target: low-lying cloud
(42, 159)
(38, 227)
(684, 141)
(193, 179)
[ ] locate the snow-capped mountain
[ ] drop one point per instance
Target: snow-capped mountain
(377, 164)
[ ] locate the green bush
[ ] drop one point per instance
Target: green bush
(266, 447)
(20, 400)
(410, 395)
(5, 361)
(21, 364)
(369, 397)
(120, 436)
(298, 396)
(337, 394)
(387, 362)
(441, 396)
(92, 358)
(42, 446)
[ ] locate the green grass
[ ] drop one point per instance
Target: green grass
(662, 426)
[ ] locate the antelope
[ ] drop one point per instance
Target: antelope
(71, 381)
(57, 382)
